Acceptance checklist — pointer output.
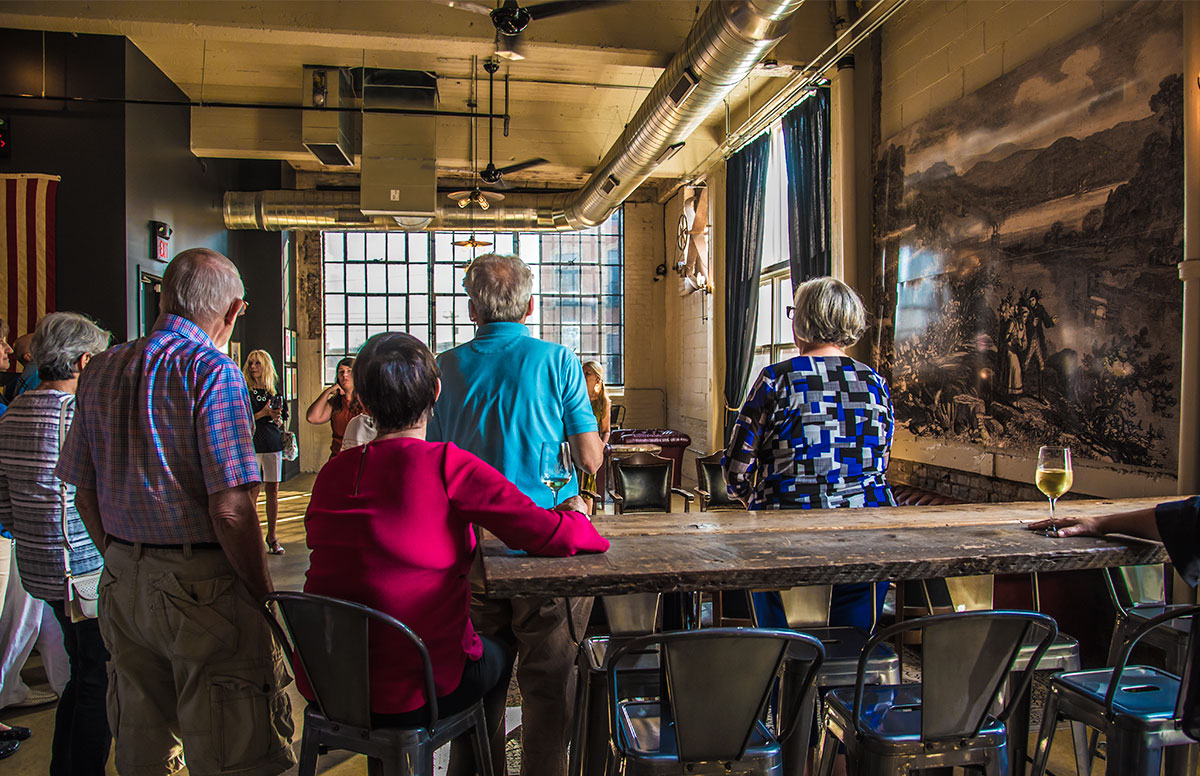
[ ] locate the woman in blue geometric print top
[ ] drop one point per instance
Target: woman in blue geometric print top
(814, 433)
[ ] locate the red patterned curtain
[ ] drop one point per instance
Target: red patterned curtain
(26, 249)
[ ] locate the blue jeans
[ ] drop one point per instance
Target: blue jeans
(849, 605)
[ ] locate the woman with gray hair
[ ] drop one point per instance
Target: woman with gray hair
(35, 504)
(814, 433)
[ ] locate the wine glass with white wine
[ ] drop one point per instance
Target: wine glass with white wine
(556, 466)
(1054, 476)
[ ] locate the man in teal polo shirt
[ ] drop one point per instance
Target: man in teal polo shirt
(504, 394)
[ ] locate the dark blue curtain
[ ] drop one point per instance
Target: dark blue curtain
(806, 146)
(745, 194)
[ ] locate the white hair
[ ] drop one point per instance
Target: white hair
(499, 286)
(199, 285)
(828, 312)
(59, 341)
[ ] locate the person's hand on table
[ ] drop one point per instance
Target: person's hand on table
(1139, 522)
(1069, 526)
(573, 504)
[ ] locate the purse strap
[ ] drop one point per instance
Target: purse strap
(62, 485)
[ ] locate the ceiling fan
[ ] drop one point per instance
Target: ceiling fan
(493, 175)
(511, 19)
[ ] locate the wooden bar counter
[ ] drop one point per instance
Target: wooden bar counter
(735, 550)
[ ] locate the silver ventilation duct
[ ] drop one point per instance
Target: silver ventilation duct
(334, 210)
(727, 41)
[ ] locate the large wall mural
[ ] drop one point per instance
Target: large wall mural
(1029, 235)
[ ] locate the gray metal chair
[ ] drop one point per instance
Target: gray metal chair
(1138, 708)
(1137, 593)
(711, 491)
(339, 671)
(807, 610)
(709, 720)
(642, 483)
(976, 593)
(635, 614)
(947, 719)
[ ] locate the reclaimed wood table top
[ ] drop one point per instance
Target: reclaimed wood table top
(667, 552)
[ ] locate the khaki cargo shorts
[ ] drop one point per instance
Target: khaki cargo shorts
(195, 678)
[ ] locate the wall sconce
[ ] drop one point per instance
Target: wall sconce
(660, 272)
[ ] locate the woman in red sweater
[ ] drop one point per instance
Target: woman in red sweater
(390, 526)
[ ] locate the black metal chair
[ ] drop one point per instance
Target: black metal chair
(642, 483)
(329, 637)
(1138, 708)
(945, 720)
(710, 485)
(717, 683)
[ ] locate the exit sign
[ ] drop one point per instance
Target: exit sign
(5, 138)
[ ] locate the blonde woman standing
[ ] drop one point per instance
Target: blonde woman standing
(270, 418)
(593, 374)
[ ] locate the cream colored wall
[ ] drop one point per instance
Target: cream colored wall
(935, 53)
(645, 396)
(689, 343)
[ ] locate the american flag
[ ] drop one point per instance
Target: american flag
(26, 249)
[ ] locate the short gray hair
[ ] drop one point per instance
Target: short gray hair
(500, 286)
(199, 285)
(60, 339)
(828, 312)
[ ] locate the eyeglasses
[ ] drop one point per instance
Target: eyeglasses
(791, 311)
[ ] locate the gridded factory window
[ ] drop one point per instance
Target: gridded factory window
(397, 281)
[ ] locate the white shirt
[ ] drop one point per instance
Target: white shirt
(360, 430)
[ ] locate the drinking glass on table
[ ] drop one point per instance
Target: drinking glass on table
(556, 466)
(1054, 476)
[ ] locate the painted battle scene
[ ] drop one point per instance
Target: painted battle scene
(1030, 234)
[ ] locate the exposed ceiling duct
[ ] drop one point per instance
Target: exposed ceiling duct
(333, 210)
(727, 41)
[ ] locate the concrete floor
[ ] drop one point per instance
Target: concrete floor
(288, 571)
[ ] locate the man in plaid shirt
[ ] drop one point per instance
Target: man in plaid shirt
(162, 457)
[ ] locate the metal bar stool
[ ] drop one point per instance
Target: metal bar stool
(629, 615)
(976, 593)
(807, 610)
(1138, 708)
(948, 719)
(339, 670)
(709, 720)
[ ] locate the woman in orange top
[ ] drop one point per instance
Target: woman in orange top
(337, 405)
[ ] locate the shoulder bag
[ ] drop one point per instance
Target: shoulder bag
(81, 594)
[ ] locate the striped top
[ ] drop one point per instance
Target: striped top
(31, 498)
(162, 423)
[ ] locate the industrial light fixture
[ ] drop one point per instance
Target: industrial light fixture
(481, 199)
(471, 243)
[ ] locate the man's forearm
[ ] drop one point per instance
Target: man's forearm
(236, 525)
(1140, 522)
(88, 505)
(588, 451)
